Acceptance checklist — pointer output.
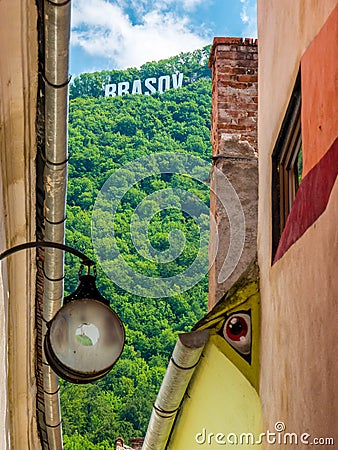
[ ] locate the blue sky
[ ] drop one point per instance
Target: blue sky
(116, 34)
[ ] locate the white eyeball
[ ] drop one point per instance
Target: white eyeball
(237, 332)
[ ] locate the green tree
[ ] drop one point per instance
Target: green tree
(104, 135)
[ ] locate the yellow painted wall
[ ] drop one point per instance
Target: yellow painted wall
(220, 400)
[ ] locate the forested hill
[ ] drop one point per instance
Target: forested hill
(105, 134)
(193, 66)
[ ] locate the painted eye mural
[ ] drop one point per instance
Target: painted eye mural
(237, 332)
(214, 371)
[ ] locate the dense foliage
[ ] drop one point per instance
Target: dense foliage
(105, 134)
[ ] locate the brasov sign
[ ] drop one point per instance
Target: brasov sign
(146, 87)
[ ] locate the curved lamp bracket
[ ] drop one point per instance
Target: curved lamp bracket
(86, 337)
(47, 244)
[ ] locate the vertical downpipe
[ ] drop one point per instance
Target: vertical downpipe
(56, 79)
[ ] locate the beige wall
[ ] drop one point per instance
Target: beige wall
(285, 31)
(18, 88)
(4, 424)
(298, 360)
(299, 366)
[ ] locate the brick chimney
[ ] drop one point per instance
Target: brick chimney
(136, 443)
(233, 201)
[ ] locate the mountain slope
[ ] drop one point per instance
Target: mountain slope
(105, 134)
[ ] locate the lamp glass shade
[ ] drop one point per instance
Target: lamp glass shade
(84, 340)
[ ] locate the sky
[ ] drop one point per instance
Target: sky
(117, 34)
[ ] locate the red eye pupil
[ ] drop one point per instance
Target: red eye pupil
(236, 328)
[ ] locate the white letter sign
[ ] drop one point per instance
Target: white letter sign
(147, 87)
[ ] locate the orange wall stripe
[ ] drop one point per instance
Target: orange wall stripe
(319, 69)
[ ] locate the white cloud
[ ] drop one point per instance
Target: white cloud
(249, 18)
(191, 4)
(147, 5)
(103, 29)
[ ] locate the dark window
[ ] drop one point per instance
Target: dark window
(287, 165)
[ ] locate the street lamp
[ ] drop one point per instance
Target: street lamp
(86, 337)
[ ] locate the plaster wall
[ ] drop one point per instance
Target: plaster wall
(206, 420)
(18, 87)
(285, 31)
(319, 107)
(299, 383)
(298, 293)
(4, 413)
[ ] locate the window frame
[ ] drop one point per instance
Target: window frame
(285, 170)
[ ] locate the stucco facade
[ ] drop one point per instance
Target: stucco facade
(18, 88)
(298, 383)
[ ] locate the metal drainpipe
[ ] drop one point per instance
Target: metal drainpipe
(56, 79)
(183, 362)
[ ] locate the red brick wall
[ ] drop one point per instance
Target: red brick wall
(234, 65)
